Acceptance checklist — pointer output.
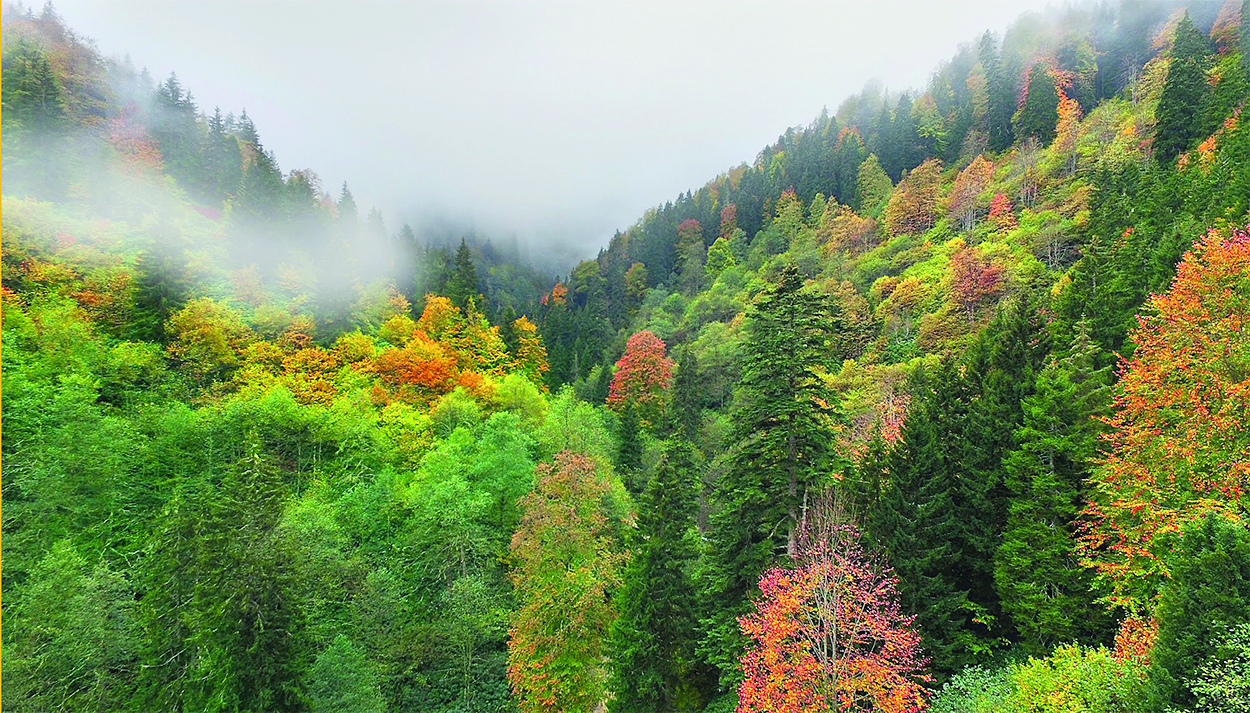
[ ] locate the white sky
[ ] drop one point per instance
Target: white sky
(563, 121)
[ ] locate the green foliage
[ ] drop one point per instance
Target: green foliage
(653, 640)
(975, 689)
(784, 434)
(872, 187)
(1209, 590)
(341, 679)
(1221, 684)
(1076, 680)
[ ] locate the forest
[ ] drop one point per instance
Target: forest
(939, 403)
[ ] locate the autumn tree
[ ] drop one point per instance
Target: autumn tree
(1179, 437)
(912, 207)
(206, 338)
(530, 357)
(974, 280)
(566, 564)
(965, 199)
(642, 378)
(827, 633)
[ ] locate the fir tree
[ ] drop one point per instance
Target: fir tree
(1040, 111)
(462, 285)
(1209, 589)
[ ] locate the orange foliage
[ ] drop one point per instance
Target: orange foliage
(1179, 441)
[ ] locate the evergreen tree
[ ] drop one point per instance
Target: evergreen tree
(687, 406)
(654, 637)
(348, 213)
(1209, 590)
(1178, 116)
(35, 117)
(1000, 93)
(163, 287)
(1043, 589)
(462, 285)
(629, 451)
(784, 431)
(1040, 112)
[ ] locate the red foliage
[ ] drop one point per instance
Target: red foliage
(1179, 440)
(975, 280)
(828, 634)
(1001, 214)
(1135, 639)
(728, 220)
(643, 375)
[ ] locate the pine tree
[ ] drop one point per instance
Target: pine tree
(653, 639)
(784, 432)
(1178, 115)
(629, 450)
(1043, 589)
(1040, 112)
(1209, 589)
(462, 285)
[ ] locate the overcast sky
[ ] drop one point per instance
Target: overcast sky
(562, 121)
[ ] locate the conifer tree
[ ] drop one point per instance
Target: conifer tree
(462, 285)
(687, 408)
(1040, 112)
(872, 187)
(784, 431)
(1044, 591)
(1209, 589)
(1179, 112)
(654, 636)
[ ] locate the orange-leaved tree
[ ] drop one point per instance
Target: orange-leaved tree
(827, 633)
(1179, 440)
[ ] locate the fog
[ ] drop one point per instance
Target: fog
(561, 122)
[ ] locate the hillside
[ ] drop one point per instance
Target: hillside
(941, 402)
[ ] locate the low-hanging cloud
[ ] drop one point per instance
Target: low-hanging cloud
(559, 122)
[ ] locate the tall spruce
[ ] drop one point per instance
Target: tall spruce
(783, 432)
(1040, 112)
(1180, 104)
(462, 286)
(653, 639)
(1044, 590)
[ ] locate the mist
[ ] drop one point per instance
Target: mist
(558, 122)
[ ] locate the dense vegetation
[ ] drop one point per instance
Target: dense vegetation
(942, 402)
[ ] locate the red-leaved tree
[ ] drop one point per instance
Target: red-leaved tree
(1179, 440)
(827, 633)
(642, 377)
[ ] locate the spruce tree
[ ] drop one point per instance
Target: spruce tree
(1040, 112)
(1179, 113)
(783, 430)
(462, 286)
(1044, 590)
(653, 639)
(1001, 95)
(629, 451)
(687, 409)
(1209, 590)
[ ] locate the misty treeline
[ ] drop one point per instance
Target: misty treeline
(940, 403)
